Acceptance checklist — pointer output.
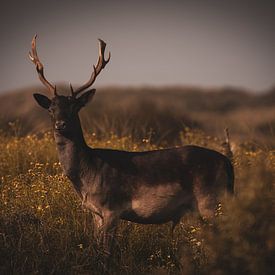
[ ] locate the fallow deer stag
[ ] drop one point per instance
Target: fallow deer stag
(152, 187)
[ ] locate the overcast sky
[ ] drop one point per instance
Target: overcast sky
(205, 43)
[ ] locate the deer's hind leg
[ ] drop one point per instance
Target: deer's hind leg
(206, 199)
(206, 205)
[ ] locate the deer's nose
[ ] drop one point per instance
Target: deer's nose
(60, 125)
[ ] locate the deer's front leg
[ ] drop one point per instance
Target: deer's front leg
(104, 230)
(110, 221)
(98, 225)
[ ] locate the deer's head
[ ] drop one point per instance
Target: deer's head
(64, 109)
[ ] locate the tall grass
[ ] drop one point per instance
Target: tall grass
(45, 230)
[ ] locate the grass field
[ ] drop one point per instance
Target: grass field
(44, 230)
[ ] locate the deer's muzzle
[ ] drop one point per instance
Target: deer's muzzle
(60, 125)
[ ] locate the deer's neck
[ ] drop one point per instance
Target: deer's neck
(72, 152)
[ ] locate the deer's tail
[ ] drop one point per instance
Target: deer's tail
(230, 176)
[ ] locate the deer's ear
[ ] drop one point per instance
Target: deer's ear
(85, 98)
(42, 100)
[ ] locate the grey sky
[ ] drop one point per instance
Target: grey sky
(205, 43)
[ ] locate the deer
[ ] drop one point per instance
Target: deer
(149, 187)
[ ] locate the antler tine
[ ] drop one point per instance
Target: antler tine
(72, 90)
(39, 67)
(101, 63)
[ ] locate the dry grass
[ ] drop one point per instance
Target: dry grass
(44, 230)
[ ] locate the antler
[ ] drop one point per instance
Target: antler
(39, 67)
(101, 63)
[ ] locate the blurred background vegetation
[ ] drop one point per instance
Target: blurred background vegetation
(162, 112)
